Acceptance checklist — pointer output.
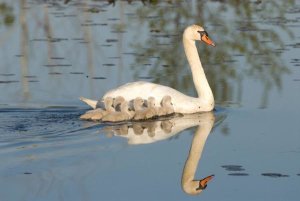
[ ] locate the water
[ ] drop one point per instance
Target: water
(52, 53)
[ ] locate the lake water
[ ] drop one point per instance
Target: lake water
(53, 52)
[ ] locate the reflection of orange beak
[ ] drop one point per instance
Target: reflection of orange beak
(207, 40)
(203, 182)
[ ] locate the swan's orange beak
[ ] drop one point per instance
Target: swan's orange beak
(203, 182)
(207, 40)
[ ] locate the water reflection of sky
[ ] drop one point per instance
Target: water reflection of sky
(49, 154)
(60, 52)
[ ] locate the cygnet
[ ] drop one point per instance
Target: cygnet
(117, 103)
(108, 103)
(142, 113)
(139, 109)
(151, 110)
(166, 106)
(117, 116)
(90, 113)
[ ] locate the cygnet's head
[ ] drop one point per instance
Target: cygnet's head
(166, 100)
(118, 100)
(151, 101)
(108, 101)
(196, 32)
(138, 101)
(123, 106)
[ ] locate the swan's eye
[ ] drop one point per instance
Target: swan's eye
(203, 33)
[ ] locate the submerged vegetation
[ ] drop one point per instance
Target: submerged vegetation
(6, 15)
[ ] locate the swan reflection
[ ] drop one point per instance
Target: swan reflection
(188, 182)
(153, 131)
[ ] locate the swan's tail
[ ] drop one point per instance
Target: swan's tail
(91, 103)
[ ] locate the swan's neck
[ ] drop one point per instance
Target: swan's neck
(201, 84)
(188, 182)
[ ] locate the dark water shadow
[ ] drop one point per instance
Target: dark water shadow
(233, 167)
(274, 175)
(238, 174)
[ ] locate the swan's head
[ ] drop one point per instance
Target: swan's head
(196, 32)
(196, 186)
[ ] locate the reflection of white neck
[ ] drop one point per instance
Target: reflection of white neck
(188, 183)
(201, 84)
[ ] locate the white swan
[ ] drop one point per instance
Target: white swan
(181, 102)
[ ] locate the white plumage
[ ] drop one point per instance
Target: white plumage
(181, 102)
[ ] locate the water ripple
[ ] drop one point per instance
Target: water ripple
(37, 123)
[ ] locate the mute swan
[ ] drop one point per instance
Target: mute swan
(181, 102)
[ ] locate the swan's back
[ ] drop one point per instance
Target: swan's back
(140, 89)
(181, 102)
